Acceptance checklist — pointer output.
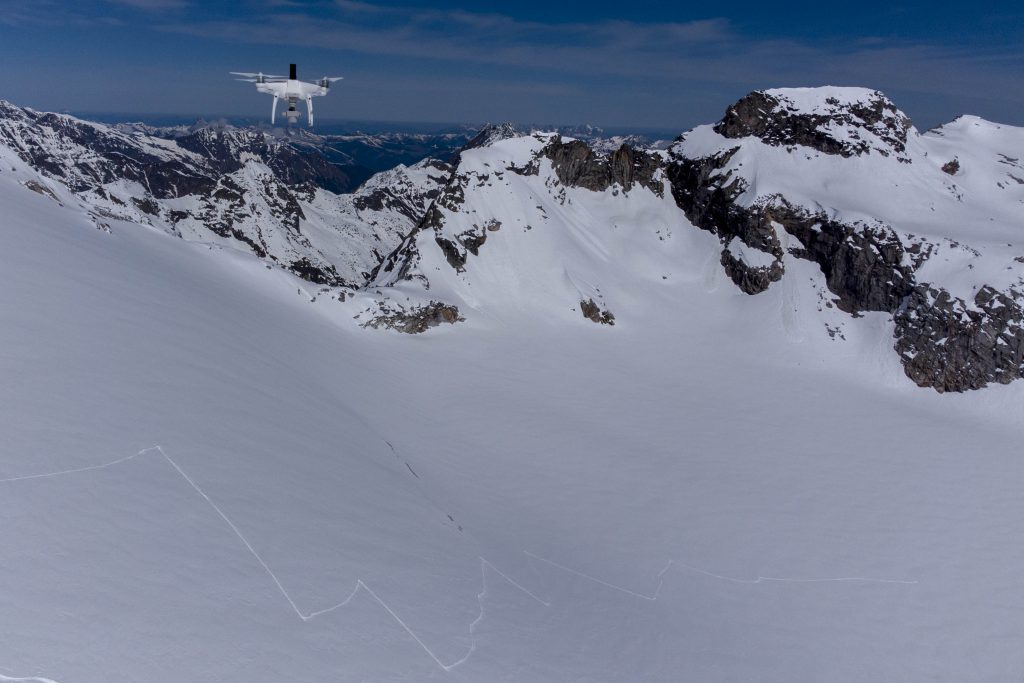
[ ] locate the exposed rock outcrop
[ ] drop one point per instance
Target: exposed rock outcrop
(837, 125)
(943, 342)
(414, 320)
(577, 165)
(751, 278)
(485, 137)
(950, 346)
(244, 188)
(593, 312)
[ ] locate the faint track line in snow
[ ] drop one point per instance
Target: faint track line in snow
(671, 563)
(514, 583)
(484, 565)
(238, 533)
(778, 579)
(29, 679)
(360, 584)
(326, 610)
(627, 591)
(103, 466)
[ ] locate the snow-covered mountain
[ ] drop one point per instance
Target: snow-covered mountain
(668, 436)
(927, 227)
(239, 188)
(924, 228)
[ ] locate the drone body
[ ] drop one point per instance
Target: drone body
(290, 89)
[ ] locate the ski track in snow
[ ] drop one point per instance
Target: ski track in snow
(651, 598)
(778, 579)
(30, 679)
(360, 584)
(304, 616)
(484, 566)
(731, 579)
(74, 471)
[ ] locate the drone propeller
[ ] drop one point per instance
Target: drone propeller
(248, 74)
(326, 81)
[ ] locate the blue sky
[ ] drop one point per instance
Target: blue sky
(633, 64)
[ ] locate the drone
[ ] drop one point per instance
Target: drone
(290, 88)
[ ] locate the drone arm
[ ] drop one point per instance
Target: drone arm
(273, 110)
(309, 108)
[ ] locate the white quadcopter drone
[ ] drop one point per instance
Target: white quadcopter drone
(290, 88)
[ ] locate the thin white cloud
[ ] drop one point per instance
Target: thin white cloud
(153, 5)
(477, 38)
(357, 6)
(698, 52)
(619, 70)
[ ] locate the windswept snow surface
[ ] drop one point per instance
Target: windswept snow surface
(207, 476)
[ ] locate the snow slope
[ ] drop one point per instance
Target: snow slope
(210, 473)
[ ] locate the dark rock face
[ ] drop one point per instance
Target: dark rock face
(942, 342)
(577, 165)
(763, 116)
(592, 311)
(951, 167)
(864, 267)
(468, 242)
(411, 205)
(456, 257)
(406, 255)
(751, 279)
(322, 275)
(39, 188)
(147, 206)
(946, 345)
(416, 320)
(708, 198)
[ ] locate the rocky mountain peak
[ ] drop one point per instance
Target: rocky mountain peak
(491, 133)
(8, 110)
(843, 121)
(487, 136)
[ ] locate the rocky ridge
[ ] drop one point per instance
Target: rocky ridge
(946, 342)
(239, 188)
(833, 177)
(950, 334)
